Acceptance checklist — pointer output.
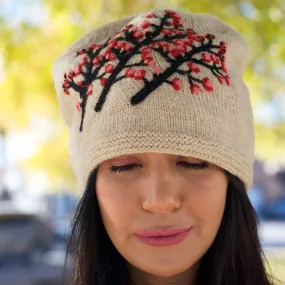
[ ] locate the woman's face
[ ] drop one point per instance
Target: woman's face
(161, 192)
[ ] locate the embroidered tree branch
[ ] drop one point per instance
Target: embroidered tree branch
(131, 52)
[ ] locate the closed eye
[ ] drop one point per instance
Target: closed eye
(131, 167)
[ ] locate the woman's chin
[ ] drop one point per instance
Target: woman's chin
(163, 267)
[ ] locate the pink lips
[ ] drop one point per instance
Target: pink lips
(163, 237)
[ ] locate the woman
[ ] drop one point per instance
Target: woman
(162, 143)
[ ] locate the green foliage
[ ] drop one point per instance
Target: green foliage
(29, 52)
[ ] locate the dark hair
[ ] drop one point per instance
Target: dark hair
(234, 258)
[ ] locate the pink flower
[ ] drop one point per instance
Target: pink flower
(139, 74)
(147, 56)
(103, 81)
(176, 83)
(97, 59)
(128, 47)
(110, 56)
(157, 70)
(207, 84)
(151, 63)
(147, 50)
(195, 89)
(84, 59)
(221, 79)
(228, 80)
(121, 44)
(194, 67)
(206, 57)
(138, 35)
(78, 106)
(224, 68)
(109, 68)
(66, 91)
(130, 72)
(145, 24)
(78, 69)
(71, 74)
(89, 89)
(150, 15)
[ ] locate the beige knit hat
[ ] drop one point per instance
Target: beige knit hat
(163, 81)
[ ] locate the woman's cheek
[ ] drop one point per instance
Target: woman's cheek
(116, 202)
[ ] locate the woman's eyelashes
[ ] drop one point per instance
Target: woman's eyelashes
(131, 167)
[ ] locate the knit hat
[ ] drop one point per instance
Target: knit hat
(162, 81)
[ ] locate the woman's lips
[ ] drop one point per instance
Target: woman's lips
(163, 237)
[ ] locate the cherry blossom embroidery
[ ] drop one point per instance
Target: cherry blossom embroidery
(186, 53)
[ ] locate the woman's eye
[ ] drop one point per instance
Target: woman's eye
(194, 166)
(130, 167)
(124, 168)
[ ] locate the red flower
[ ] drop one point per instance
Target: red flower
(163, 45)
(78, 69)
(150, 15)
(81, 52)
(151, 63)
(147, 50)
(193, 67)
(110, 56)
(179, 43)
(97, 59)
(138, 35)
(217, 61)
(221, 79)
(89, 89)
(121, 44)
(112, 41)
(71, 74)
(146, 56)
(128, 26)
(65, 83)
(208, 85)
(95, 49)
(176, 83)
(145, 24)
(78, 106)
(103, 81)
(157, 70)
(166, 32)
(84, 59)
(228, 80)
(206, 57)
(213, 57)
(128, 47)
(133, 29)
(80, 83)
(139, 74)
(224, 68)
(112, 45)
(130, 72)
(176, 52)
(195, 89)
(66, 91)
(177, 22)
(109, 68)
(188, 42)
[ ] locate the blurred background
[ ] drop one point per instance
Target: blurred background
(37, 186)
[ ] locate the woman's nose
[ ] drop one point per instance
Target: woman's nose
(161, 196)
